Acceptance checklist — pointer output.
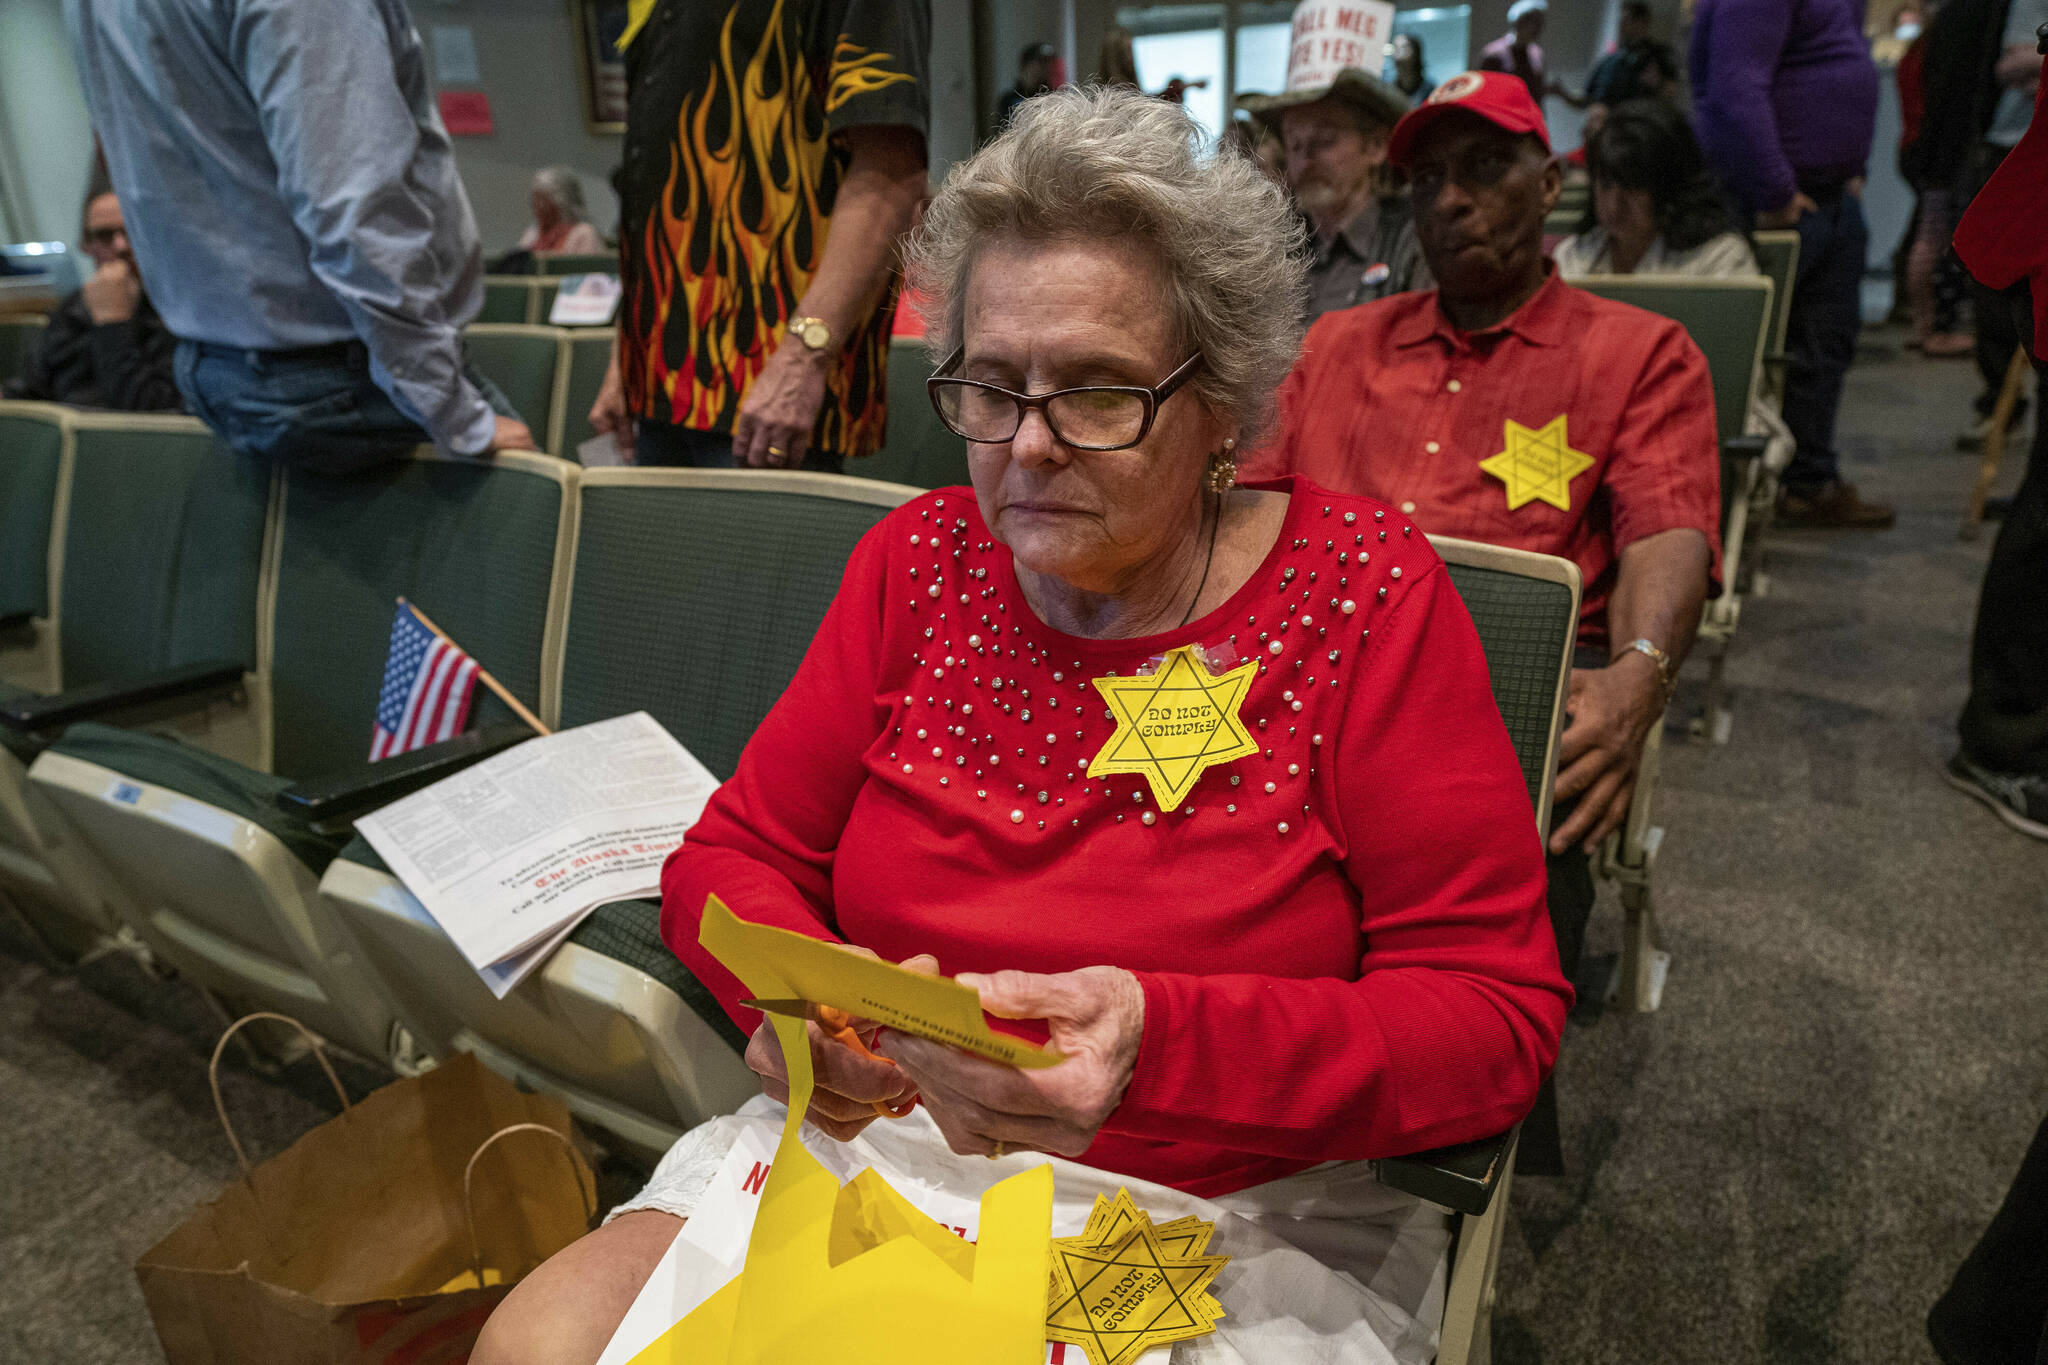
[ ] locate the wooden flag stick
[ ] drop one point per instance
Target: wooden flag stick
(483, 674)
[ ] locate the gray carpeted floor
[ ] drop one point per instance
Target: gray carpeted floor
(1783, 1165)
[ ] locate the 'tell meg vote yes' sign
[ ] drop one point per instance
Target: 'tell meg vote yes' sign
(1329, 35)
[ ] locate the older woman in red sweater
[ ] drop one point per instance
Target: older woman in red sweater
(1331, 946)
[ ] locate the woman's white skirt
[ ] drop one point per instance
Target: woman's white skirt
(1328, 1267)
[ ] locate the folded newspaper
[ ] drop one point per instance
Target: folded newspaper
(509, 856)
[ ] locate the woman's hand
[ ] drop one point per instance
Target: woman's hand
(846, 1086)
(1097, 1019)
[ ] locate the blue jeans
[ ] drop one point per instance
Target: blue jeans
(1820, 340)
(316, 410)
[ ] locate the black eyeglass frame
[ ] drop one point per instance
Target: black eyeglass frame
(1029, 402)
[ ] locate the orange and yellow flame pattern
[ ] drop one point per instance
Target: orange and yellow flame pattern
(738, 231)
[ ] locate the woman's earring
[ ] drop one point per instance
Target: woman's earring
(1223, 467)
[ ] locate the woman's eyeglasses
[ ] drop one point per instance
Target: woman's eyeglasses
(1097, 417)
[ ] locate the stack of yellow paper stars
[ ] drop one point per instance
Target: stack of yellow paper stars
(1124, 1285)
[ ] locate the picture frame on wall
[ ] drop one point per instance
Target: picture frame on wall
(600, 67)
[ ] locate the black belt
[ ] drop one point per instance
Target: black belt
(334, 352)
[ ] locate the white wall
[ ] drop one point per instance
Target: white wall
(45, 135)
(526, 56)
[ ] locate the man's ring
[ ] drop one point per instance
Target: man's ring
(777, 451)
(997, 1154)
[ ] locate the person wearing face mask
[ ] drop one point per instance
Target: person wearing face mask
(104, 347)
(1507, 406)
(1335, 141)
(1656, 210)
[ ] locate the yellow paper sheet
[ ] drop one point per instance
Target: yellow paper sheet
(855, 1274)
(931, 1007)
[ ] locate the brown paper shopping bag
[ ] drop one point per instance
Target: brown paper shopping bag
(360, 1243)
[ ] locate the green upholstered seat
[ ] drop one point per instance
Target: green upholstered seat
(590, 354)
(1777, 255)
(556, 264)
(696, 594)
(1727, 319)
(917, 449)
(18, 340)
(1525, 607)
(162, 553)
(523, 362)
(625, 931)
(471, 543)
(507, 298)
(220, 782)
(1524, 626)
(475, 544)
(163, 546)
(31, 454)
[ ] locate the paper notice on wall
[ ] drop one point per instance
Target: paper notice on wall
(455, 60)
(508, 856)
(467, 113)
(1329, 35)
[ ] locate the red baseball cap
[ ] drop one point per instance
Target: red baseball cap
(1499, 97)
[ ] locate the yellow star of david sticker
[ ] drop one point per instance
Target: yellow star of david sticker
(1538, 463)
(1175, 724)
(1119, 1301)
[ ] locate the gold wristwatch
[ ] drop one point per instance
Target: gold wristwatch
(812, 332)
(1658, 657)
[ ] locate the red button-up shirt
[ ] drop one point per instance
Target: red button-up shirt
(1574, 428)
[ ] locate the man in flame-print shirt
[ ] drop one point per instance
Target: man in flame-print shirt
(774, 156)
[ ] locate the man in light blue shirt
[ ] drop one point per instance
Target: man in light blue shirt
(294, 197)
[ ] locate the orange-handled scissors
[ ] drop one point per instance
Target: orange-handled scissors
(838, 1026)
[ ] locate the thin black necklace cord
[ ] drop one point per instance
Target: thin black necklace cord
(1207, 561)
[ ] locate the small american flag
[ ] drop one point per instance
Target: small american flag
(427, 687)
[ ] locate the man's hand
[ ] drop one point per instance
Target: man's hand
(1097, 1019)
(1788, 216)
(512, 434)
(781, 407)
(609, 414)
(114, 293)
(1612, 710)
(845, 1085)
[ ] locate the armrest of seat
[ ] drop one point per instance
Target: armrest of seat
(174, 689)
(333, 801)
(1747, 448)
(1461, 1178)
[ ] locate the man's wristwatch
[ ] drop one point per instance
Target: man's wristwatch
(1657, 656)
(812, 332)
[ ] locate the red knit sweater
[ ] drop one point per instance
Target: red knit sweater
(1342, 941)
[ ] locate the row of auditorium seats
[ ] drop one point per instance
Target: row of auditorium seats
(690, 594)
(552, 376)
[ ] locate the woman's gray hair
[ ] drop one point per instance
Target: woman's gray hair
(1114, 165)
(560, 184)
